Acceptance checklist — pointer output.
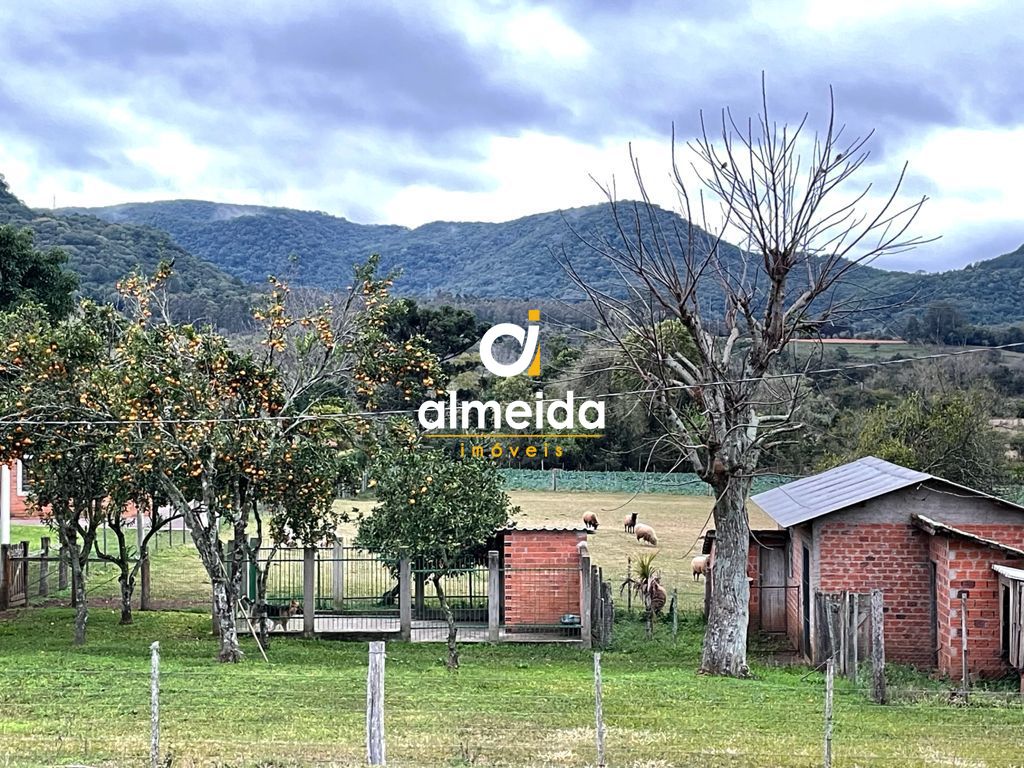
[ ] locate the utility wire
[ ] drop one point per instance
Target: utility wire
(604, 396)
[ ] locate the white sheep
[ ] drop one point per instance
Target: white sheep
(646, 533)
(629, 522)
(700, 566)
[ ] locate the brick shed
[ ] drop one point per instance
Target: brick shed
(920, 539)
(13, 492)
(540, 569)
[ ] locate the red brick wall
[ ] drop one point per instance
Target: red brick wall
(893, 557)
(19, 504)
(938, 552)
(794, 615)
(542, 577)
(967, 565)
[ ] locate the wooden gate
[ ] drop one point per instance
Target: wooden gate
(844, 629)
(13, 575)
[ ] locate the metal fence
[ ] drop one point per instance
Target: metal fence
(349, 592)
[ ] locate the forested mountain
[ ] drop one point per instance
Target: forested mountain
(101, 253)
(514, 259)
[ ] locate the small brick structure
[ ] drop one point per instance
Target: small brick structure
(16, 493)
(540, 575)
(923, 541)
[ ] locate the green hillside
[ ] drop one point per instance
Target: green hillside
(516, 259)
(102, 252)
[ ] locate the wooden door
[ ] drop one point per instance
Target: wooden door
(773, 589)
(805, 590)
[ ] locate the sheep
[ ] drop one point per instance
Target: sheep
(629, 523)
(700, 566)
(646, 533)
(590, 520)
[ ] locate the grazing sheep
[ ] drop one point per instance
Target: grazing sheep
(629, 523)
(700, 566)
(646, 533)
(583, 549)
(590, 520)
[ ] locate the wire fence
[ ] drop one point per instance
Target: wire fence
(625, 481)
(679, 483)
(535, 713)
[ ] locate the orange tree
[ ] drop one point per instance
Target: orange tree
(257, 442)
(434, 509)
(51, 408)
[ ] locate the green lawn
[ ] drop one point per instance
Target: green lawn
(508, 705)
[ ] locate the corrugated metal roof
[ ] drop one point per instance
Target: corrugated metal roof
(1011, 573)
(547, 528)
(934, 527)
(835, 489)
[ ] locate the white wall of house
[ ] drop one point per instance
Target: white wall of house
(5, 505)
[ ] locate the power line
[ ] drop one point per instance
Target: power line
(603, 396)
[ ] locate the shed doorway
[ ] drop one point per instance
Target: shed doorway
(805, 590)
(772, 569)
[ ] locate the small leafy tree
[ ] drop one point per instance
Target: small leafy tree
(433, 509)
(31, 276)
(947, 435)
(258, 441)
(48, 390)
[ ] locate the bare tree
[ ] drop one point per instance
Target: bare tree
(780, 193)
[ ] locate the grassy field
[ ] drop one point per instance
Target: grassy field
(180, 581)
(507, 706)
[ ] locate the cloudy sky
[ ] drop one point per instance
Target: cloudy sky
(409, 112)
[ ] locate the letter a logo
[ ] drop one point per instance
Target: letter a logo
(528, 338)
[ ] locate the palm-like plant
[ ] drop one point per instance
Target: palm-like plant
(644, 581)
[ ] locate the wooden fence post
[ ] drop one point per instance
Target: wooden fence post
(405, 598)
(375, 706)
(5, 576)
(154, 706)
(338, 573)
(309, 591)
(44, 566)
(609, 612)
(493, 597)
(62, 569)
(599, 730)
(586, 641)
(830, 675)
(855, 637)
(965, 679)
(877, 647)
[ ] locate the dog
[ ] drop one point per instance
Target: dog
(280, 615)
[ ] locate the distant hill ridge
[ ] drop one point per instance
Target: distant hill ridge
(102, 252)
(513, 259)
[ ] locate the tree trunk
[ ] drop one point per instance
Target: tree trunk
(725, 637)
(453, 650)
(127, 587)
(78, 588)
(224, 607)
